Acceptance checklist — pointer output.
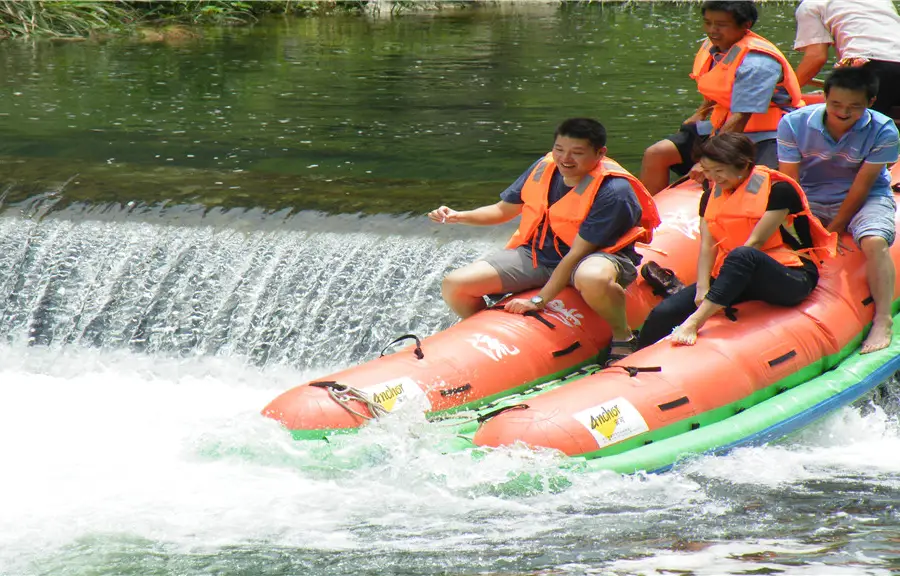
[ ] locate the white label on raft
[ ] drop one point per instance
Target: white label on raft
(570, 317)
(395, 393)
(491, 347)
(613, 421)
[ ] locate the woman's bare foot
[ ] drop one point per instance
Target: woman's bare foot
(684, 335)
(879, 336)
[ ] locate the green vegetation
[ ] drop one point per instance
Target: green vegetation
(79, 19)
(76, 19)
(20, 18)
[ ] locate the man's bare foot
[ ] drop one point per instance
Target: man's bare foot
(879, 336)
(684, 335)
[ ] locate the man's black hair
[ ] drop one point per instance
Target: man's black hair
(584, 129)
(857, 79)
(742, 11)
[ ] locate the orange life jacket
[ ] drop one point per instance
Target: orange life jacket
(566, 214)
(731, 219)
(717, 83)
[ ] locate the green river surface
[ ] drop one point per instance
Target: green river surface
(189, 228)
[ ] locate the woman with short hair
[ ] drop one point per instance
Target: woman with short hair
(746, 249)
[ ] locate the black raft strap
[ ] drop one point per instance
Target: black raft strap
(783, 358)
(731, 313)
(458, 390)
(635, 370)
(674, 403)
(567, 350)
(536, 315)
(498, 305)
(418, 351)
(329, 384)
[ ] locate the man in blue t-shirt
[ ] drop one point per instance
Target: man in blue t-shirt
(839, 152)
(544, 260)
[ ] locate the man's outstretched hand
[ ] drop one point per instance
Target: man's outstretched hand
(444, 215)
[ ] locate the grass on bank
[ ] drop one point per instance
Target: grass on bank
(78, 19)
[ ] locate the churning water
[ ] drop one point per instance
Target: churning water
(138, 352)
(151, 307)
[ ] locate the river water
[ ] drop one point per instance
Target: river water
(190, 228)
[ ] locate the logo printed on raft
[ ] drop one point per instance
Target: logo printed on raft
(612, 421)
(395, 393)
(389, 394)
(491, 347)
(682, 221)
(570, 317)
(606, 421)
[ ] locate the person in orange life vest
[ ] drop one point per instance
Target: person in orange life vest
(746, 249)
(581, 215)
(747, 86)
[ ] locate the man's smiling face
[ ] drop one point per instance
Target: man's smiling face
(575, 157)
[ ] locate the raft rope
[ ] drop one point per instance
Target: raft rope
(343, 394)
(493, 408)
(483, 417)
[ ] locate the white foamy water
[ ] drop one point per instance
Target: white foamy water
(115, 455)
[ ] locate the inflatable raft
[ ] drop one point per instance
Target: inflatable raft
(749, 378)
(492, 354)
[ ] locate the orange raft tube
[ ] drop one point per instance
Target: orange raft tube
(493, 353)
(665, 390)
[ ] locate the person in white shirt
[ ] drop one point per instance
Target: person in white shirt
(863, 33)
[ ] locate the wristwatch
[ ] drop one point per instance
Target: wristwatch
(537, 301)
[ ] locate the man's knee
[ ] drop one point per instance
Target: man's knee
(874, 247)
(596, 275)
(476, 279)
(452, 282)
(662, 154)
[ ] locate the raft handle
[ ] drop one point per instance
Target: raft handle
(783, 358)
(635, 370)
(674, 403)
(418, 351)
(485, 417)
(567, 350)
(531, 314)
(332, 384)
(534, 314)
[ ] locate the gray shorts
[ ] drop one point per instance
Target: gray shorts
(517, 271)
(875, 218)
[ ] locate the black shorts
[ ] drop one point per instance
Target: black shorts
(889, 85)
(688, 143)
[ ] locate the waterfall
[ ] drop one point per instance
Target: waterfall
(302, 289)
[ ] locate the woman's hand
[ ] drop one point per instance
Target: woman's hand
(696, 174)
